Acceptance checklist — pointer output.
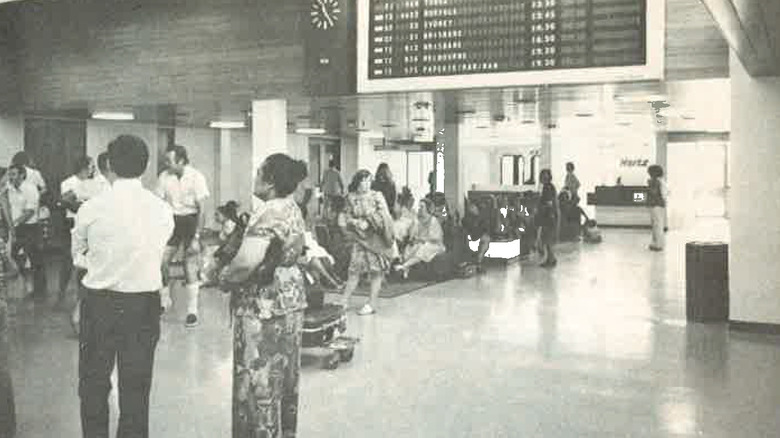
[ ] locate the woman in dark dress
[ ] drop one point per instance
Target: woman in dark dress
(384, 184)
(547, 216)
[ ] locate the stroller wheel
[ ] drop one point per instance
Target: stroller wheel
(346, 355)
(331, 362)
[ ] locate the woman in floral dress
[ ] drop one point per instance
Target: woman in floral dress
(268, 309)
(367, 219)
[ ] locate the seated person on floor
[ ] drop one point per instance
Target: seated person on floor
(405, 222)
(319, 263)
(590, 232)
(427, 243)
(476, 226)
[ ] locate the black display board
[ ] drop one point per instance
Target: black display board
(418, 39)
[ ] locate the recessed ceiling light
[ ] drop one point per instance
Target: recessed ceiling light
(111, 115)
(310, 131)
(227, 125)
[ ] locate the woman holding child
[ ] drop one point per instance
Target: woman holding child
(267, 302)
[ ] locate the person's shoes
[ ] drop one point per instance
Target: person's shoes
(655, 248)
(366, 310)
(191, 321)
(165, 303)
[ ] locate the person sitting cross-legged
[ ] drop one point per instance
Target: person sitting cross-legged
(427, 243)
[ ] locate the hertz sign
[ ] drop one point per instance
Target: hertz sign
(634, 162)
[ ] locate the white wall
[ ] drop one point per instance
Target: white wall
(101, 133)
(754, 198)
(202, 147)
(11, 138)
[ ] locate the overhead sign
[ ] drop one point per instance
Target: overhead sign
(440, 44)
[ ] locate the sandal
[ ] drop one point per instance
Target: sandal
(366, 310)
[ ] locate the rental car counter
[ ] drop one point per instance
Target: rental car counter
(620, 206)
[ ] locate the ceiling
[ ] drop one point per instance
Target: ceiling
(201, 83)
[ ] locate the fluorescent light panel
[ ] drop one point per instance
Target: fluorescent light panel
(310, 131)
(227, 125)
(112, 115)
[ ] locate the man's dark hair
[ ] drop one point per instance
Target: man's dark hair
(128, 156)
(19, 168)
(570, 166)
(179, 152)
(655, 171)
(333, 164)
(102, 162)
(21, 158)
(82, 163)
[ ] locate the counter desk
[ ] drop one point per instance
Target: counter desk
(620, 206)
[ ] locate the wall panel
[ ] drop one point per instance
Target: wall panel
(157, 51)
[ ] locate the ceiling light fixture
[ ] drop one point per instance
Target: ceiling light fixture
(227, 125)
(109, 115)
(310, 131)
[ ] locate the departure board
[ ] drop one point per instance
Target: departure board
(440, 39)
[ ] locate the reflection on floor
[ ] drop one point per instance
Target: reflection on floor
(596, 347)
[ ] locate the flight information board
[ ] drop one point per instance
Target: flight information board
(406, 39)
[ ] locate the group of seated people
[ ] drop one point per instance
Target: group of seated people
(423, 235)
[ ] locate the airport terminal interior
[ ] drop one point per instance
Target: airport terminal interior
(541, 278)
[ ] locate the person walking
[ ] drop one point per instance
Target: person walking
(656, 201)
(120, 238)
(185, 189)
(572, 184)
(268, 309)
(332, 186)
(368, 221)
(547, 218)
(24, 199)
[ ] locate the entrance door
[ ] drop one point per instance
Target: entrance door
(696, 174)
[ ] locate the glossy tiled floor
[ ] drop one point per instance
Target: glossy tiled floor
(597, 347)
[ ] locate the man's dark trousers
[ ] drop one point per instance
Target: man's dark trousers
(122, 328)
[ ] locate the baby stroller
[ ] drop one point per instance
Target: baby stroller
(323, 328)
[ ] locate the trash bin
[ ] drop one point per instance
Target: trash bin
(707, 281)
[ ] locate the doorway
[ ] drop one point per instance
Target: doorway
(698, 182)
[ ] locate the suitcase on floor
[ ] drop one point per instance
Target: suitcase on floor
(321, 326)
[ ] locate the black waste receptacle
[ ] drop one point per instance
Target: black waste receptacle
(707, 281)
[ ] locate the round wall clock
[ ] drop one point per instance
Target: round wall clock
(325, 13)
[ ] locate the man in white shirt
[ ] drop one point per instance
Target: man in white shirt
(119, 238)
(25, 200)
(185, 189)
(75, 191)
(33, 175)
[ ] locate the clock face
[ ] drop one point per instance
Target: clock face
(325, 13)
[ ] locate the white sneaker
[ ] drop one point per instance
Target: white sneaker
(366, 310)
(165, 303)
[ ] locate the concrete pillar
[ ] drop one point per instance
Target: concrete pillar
(225, 190)
(755, 189)
(454, 185)
(269, 131)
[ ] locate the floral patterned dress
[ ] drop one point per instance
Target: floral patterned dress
(268, 319)
(372, 252)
